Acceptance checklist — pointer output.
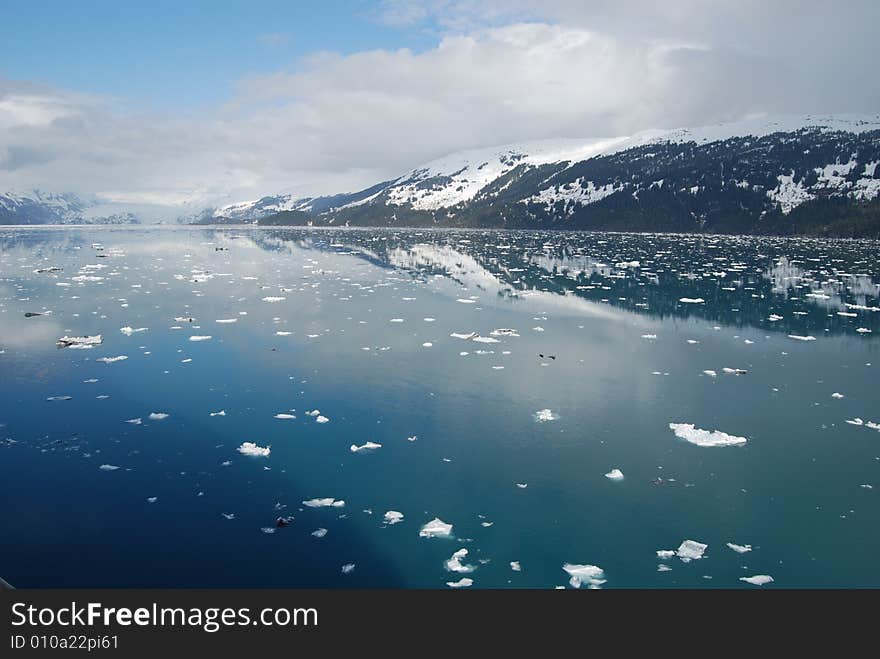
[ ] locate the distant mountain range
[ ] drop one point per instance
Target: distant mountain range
(38, 207)
(814, 175)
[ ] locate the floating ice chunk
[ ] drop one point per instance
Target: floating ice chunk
(522, 486)
(393, 517)
(79, 341)
(464, 582)
(184, 319)
(196, 337)
(705, 438)
(283, 333)
(591, 575)
(773, 318)
(321, 419)
(649, 336)
(836, 395)
(396, 320)
(427, 344)
(412, 438)
(692, 300)
(269, 530)
(454, 564)
(692, 342)
(283, 415)
(347, 568)
(313, 412)
(515, 566)
(863, 330)
(220, 413)
(152, 499)
(615, 475)
(710, 373)
(111, 360)
(855, 422)
(690, 550)
(226, 321)
(134, 422)
(739, 549)
(107, 467)
(158, 416)
(369, 446)
(228, 515)
(319, 533)
(663, 568)
(249, 448)
(128, 331)
(436, 528)
(465, 300)
(665, 553)
(734, 371)
(327, 502)
(465, 337)
(60, 398)
(538, 329)
(758, 579)
(504, 332)
(271, 298)
(545, 415)
(797, 337)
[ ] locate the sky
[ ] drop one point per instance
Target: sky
(183, 106)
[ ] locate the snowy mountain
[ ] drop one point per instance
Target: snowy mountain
(38, 207)
(800, 174)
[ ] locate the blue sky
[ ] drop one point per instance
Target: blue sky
(179, 54)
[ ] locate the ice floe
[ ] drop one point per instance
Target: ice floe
(249, 448)
(197, 337)
(545, 415)
(690, 550)
(128, 331)
(705, 438)
(692, 300)
(464, 582)
(368, 446)
(758, 579)
(108, 467)
(798, 337)
(392, 517)
(615, 475)
(515, 566)
(79, 341)
(436, 528)
(454, 564)
(739, 549)
(112, 360)
(327, 502)
(158, 416)
(590, 575)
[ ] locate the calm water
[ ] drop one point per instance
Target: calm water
(350, 332)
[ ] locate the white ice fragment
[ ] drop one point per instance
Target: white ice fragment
(152, 499)
(615, 475)
(710, 373)
(128, 331)
(158, 416)
(464, 582)
(739, 549)
(545, 415)
(454, 563)
(591, 575)
(665, 553)
(650, 337)
(134, 422)
(226, 321)
(347, 568)
(705, 438)
(690, 550)
(836, 395)
(801, 338)
(282, 415)
(106, 467)
(273, 299)
(436, 528)
(758, 579)
(393, 517)
(111, 360)
(196, 337)
(692, 300)
(321, 419)
(515, 566)
(327, 502)
(220, 413)
(319, 533)
(249, 448)
(368, 446)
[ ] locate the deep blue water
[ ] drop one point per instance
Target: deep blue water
(628, 358)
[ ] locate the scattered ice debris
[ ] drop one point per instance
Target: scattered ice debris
(454, 564)
(327, 502)
(773, 318)
(197, 337)
(347, 568)
(545, 415)
(107, 467)
(281, 522)
(128, 331)
(284, 415)
(152, 499)
(79, 341)
(464, 582)
(319, 533)
(705, 438)
(313, 412)
(692, 300)
(663, 568)
(590, 575)
(220, 413)
(393, 517)
(369, 446)
(710, 373)
(615, 475)
(268, 529)
(515, 566)
(112, 360)
(739, 549)
(758, 579)
(690, 550)
(436, 528)
(798, 337)
(249, 448)
(158, 416)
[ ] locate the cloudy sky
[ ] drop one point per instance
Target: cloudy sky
(216, 102)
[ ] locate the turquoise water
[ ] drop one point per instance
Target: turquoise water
(603, 356)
